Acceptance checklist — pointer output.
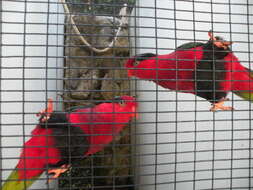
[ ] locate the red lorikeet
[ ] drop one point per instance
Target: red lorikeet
(209, 70)
(61, 138)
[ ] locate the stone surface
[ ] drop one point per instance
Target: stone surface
(85, 70)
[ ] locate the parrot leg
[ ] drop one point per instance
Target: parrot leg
(58, 171)
(46, 113)
(219, 105)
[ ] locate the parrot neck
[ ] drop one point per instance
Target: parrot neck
(70, 140)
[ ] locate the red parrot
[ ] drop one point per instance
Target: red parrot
(209, 70)
(61, 138)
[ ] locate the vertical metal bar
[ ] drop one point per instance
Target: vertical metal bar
(113, 78)
(156, 97)
(57, 69)
(250, 87)
(176, 110)
(195, 100)
(136, 159)
(46, 72)
(1, 42)
(232, 113)
(213, 132)
(23, 83)
(93, 115)
(68, 25)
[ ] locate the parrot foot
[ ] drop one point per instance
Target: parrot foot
(57, 172)
(219, 105)
(46, 113)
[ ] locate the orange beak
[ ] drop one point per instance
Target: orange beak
(217, 43)
(46, 113)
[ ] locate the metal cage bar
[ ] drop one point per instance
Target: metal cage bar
(175, 143)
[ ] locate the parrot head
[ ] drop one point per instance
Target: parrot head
(126, 105)
(141, 65)
(219, 41)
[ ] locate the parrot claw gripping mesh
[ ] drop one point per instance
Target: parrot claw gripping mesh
(209, 70)
(62, 138)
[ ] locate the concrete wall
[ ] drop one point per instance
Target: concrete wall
(32, 51)
(173, 123)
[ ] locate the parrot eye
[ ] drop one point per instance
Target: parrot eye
(136, 63)
(218, 38)
(122, 103)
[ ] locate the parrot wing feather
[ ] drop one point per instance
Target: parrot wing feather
(189, 45)
(242, 82)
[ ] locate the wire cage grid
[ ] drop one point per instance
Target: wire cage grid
(176, 142)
